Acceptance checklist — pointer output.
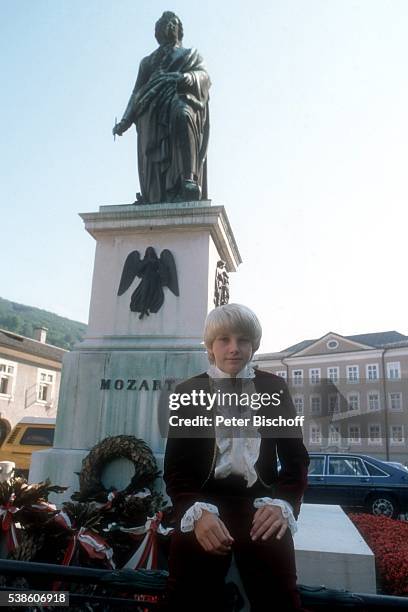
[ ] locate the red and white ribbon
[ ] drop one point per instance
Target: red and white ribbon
(7, 522)
(108, 504)
(63, 520)
(43, 506)
(145, 555)
(92, 543)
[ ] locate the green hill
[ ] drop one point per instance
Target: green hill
(22, 320)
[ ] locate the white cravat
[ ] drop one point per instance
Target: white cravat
(235, 454)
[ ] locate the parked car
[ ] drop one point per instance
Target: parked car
(399, 465)
(357, 481)
(29, 435)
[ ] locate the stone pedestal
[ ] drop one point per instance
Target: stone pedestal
(329, 552)
(111, 382)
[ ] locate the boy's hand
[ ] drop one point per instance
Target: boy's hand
(267, 521)
(212, 534)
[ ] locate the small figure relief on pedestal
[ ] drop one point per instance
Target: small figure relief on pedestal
(221, 289)
(169, 106)
(155, 273)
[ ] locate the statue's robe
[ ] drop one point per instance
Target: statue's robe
(172, 123)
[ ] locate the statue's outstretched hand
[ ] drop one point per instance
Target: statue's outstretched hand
(118, 129)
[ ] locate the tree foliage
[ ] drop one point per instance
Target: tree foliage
(23, 320)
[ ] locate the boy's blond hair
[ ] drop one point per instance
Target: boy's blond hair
(232, 318)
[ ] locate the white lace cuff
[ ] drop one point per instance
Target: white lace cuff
(285, 506)
(194, 513)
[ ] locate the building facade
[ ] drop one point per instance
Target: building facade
(352, 391)
(30, 372)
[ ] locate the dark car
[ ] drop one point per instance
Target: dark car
(358, 482)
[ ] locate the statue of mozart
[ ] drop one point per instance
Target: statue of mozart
(169, 106)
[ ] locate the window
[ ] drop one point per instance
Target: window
(38, 436)
(334, 403)
(314, 376)
(298, 377)
(315, 434)
(346, 466)
(332, 344)
(45, 386)
(373, 400)
(43, 393)
(282, 374)
(354, 434)
(353, 401)
(353, 374)
(397, 434)
(395, 401)
(333, 374)
(374, 434)
(334, 434)
(316, 466)
(373, 470)
(394, 370)
(372, 371)
(316, 405)
(7, 376)
(299, 404)
(4, 384)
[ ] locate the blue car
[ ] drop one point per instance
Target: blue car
(358, 482)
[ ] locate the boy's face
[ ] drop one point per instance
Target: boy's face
(231, 352)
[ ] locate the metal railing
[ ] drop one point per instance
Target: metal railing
(143, 589)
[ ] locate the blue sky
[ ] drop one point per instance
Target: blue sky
(308, 150)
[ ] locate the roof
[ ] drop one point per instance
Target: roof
(30, 346)
(378, 339)
(295, 348)
(374, 339)
(270, 356)
(38, 420)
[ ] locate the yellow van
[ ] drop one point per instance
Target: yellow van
(29, 435)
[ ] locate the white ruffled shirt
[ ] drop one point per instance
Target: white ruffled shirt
(236, 455)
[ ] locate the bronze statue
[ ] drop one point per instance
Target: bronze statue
(221, 287)
(169, 106)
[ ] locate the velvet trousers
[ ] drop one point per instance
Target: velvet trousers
(267, 568)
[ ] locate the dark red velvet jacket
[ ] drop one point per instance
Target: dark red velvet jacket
(190, 462)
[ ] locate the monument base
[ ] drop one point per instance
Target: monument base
(113, 381)
(108, 393)
(329, 552)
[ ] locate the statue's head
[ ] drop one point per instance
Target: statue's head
(169, 29)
